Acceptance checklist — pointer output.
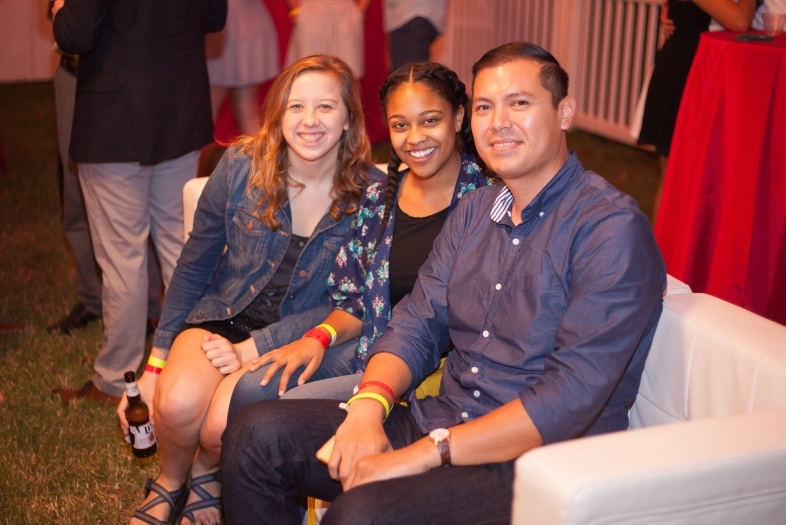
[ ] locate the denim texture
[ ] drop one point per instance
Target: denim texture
(231, 256)
(268, 461)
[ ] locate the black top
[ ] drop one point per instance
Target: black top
(413, 238)
(266, 307)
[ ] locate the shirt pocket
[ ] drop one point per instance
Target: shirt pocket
(542, 303)
(249, 234)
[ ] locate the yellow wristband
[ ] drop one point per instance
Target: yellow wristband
(331, 331)
(294, 12)
(372, 395)
(156, 362)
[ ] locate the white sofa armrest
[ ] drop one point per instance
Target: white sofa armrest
(191, 193)
(712, 471)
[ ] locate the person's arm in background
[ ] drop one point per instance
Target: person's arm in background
(666, 25)
(77, 24)
(733, 16)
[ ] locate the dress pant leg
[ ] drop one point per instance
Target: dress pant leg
(77, 231)
(268, 457)
(477, 495)
(117, 196)
(166, 209)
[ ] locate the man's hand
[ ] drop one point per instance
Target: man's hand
(147, 389)
(409, 461)
(57, 6)
(306, 351)
(360, 435)
(221, 353)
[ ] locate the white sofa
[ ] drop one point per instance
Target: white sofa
(717, 370)
(707, 443)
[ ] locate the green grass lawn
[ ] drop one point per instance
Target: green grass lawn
(71, 465)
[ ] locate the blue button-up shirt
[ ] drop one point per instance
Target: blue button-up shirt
(559, 311)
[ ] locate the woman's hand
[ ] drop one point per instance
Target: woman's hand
(222, 353)
(306, 351)
(666, 26)
(360, 435)
(147, 389)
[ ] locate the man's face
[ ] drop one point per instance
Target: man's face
(517, 130)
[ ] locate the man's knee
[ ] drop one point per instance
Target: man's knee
(358, 506)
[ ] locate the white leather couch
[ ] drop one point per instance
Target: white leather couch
(707, 443)
(707, 438)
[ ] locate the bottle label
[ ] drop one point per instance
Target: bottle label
(142, 436)
(132, 389)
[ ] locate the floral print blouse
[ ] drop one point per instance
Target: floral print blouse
(362, 289)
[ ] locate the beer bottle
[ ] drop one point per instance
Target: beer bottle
(140, 431)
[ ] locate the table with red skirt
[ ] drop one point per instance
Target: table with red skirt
(722, 222)
(375, 44)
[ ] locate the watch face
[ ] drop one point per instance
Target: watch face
(439, 434)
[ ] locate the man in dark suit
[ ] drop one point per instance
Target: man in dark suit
(142, 113)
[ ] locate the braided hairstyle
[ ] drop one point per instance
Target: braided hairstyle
(443, 82)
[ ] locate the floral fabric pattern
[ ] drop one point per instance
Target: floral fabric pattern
(359, 283)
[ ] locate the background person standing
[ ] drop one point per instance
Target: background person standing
(142, 112)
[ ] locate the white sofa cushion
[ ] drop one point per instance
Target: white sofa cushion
(710, 358)
(715, 471)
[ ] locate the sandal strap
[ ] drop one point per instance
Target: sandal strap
(162, 496)
(207, 500)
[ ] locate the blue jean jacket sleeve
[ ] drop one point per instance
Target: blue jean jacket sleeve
(288, 329)
(200, 256)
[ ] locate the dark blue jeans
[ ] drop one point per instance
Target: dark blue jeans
(268, 462)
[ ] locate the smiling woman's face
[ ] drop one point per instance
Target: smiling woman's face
(423, 128)
(315, 118)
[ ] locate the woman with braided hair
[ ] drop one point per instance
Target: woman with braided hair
(425, 105)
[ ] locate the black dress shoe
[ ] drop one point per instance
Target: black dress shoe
(78, 318)
(88, 391)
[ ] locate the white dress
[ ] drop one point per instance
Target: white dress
(329, 27)
(245, 52)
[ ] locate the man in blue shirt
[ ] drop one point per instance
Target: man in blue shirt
(550, 288)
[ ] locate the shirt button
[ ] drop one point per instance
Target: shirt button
(303, 274)
(291, 296)
(485, 333)
(474, 370)
(541, 214)
(301, 244)
(498, 287)
(464, 415)
(476, 393)
(516, 242)
(269, 304)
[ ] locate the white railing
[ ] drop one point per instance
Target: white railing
(607, 47)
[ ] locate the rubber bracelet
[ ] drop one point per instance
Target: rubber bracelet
(380, 384)
(294, 12)
(156, 362)
(331, 331)
(153, 369)
(319, 335)
(372, 395)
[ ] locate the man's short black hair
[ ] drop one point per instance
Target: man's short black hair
(552, 77)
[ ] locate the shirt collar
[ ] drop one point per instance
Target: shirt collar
(544, 200)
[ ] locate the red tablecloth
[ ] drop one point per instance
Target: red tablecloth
(722, 222)
(376, 70)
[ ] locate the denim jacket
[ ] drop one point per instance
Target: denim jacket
(212, 283)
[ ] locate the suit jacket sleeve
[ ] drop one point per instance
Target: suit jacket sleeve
(78, 25)
(216, 16)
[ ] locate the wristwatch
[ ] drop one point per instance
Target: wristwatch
(441, 438)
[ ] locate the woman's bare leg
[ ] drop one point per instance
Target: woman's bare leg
(183, 396)
(209, 453)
